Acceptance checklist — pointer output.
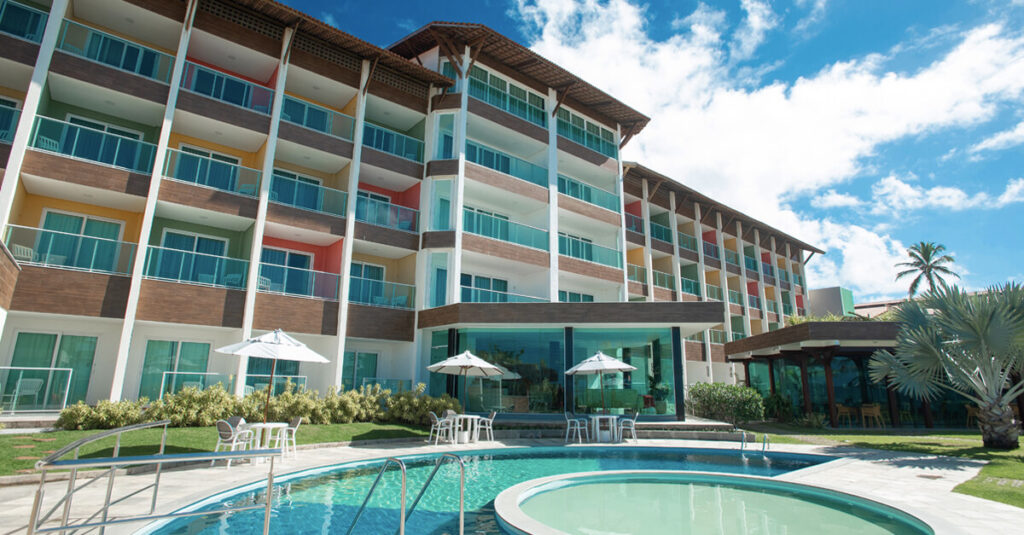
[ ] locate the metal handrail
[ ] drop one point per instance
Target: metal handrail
(462, 490)
(743, 440)
(765, 442)
(359, 513)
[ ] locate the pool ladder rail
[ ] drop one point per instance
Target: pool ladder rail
(403, 514)
(765, 442)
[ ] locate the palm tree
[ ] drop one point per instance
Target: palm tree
(928, 262)
(969, 344)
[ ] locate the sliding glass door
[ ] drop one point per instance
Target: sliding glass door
(25, 388)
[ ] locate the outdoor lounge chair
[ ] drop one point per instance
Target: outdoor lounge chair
(575, 426)
(232, 437)
(628, 424)
(486, 425)
(441, 428)
(285, 437)
(871, 412)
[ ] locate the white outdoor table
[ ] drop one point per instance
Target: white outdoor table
(263, 431)
(603, 436)
(466, 428)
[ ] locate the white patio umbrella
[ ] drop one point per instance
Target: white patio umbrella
(466, 364)
(598, 365)
(275, 345)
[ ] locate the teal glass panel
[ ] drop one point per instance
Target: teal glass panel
(356, 367)
(505, 163)
(77, 352)
(587, 193)
(760, 379)
(317, 118)
(649, 389)
(585, 250)
(159, 358)
(226, 88)
(109, 50)
(661, 232)
(687, 242)
(536, 358)
(22, 21)
(94, 144)
(391, 142)
(438, 383)
(27, 389)
(8, 123)
(502, 229)
(789, 385)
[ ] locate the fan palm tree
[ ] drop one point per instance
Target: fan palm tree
(969, 344)
(928, 263)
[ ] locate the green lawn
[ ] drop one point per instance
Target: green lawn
(18, 453)
(995, 481)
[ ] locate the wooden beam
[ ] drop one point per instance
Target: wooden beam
(681, 203)
(830, 391)
(447, 48)
(418, 60)
(706, 214)
(655, 190)
(805, 385)
(564, 92)
(369, 77)
(475, 47)
(629, 136)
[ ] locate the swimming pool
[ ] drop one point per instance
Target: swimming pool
(326, 499)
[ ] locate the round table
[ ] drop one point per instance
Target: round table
(263, 430)
(611, 435)
(466, 427)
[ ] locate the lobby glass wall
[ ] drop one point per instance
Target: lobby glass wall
(536, 360)
(760, 379)
(855, 389)
(649, 389)
(789, 385)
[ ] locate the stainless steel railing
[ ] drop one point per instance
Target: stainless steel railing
(462, 489)
(387, 462)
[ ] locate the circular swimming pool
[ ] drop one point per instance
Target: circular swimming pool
(326, 499)
(669, 502)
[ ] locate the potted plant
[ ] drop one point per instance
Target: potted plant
(660, 393)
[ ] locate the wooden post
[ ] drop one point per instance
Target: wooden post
(894, 405)
(830, 391)
(927, 410)
(771, 375)
(746, 372)
(805, 385)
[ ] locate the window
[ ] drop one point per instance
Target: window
(485, 223)
(373, 208)
(199, 261)
(366, 284)
(207, 168)
(286, 271)
(586, 133)
(46, 389)
(80, 241)
(502, 94)
(575, 246)
(168, 363)
(574, 297)
(294, 189)
(357, 367)
(94, 140)
(477, 289)
(257, 375)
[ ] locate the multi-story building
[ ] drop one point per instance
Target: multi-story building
(180, 175)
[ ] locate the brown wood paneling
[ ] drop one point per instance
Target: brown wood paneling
(443, 168)
(688, 255)
(387, 236)
(773, 317)
(236, 33)
(660, 312)
(752, 275)
(171, 10)
(784, 285)
(5, 154)
(222, 111)
(634, 237)
(376, 158)
(380, 323)
(76, 293)
(9, 271)
(769, 280)
(589, 269)
(588, 210)
(755, 314)
(307, 219)
(19, 50)
(58, 167)
(505, 182)
(295, 314)
(637, 288)
(173, 302)
(694, 351)
(684, 208)
(717, 353)
(587, 155)
(308, 137)
(392, 94)
(688, 297)
(823, 330)
(632, 186)
(108, 77)
(507, 120)
(712, 262)
(735, 310)
(446, 101)
(503, 249)
(664, 294)
(329, 69)
(179, 192)
(659, 245)
(733, 269)
(438, 239)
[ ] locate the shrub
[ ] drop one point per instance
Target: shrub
(814, 420)
(111, 414)
(191, 407)
(74, 417)
(412, 407)
(730, 403)
(778, 407)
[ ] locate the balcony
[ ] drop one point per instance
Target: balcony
(24, 389)
(664, 280)
(275, 278)
(212, 173)
(588, 139)
(381, 293)
(258, 383)
(754, 301)
(385, 214)
(787, 309)
(714, 292)
(504, 100)
(738, 336)
(690, 286)
(392, 142)
(186, 266)
(717, 336)
(502, 229)
(636, 273)
(661, 232)
(92, 44)
(584, 250)
(8, 123)
(226, 88)
(732, 258)
(94, 145)
(783, 275)
(480, 295)
(323, 120)
(772, 306)
(307, 196)
(587, 193)
(73, 251)
(798, 279)
(750, 263)
(710, 250)
(687, 242)
(22, 21)
(504, 163)
(767, 269)
(735, 298)
(634, 223)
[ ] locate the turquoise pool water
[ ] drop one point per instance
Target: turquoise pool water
(326, 500)
(664, 504)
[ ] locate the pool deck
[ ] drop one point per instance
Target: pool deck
(919, 484)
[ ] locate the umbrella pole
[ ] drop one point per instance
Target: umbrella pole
(266, 409)
(604, 406)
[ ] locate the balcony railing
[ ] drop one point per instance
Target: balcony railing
(74, 251)
(696, 337)
(738, 336)
(784, 275)
(710, 249)
(714, 292)
(174, 382)
(255, 383)
(634, 223)
(587, 193)
(687, 242)
(505, 101)
(732, 258)
(590, 252)
(394, 385)
(505, 163)
(690, 286)
(307, 196)
(381, 293)
(212, 173)
(750, 263)
(391, 142)
(186, 266)
(664, 280)
(787, 309)
(227, 88)
(767, 269)
(8, 123)
(94, 145)
(480, 295)
(587, 139)
(118, 53)
(275, 278)
(717, 336)
(772, 306)
(735, 298)
(798, 279)
(323, 120)
(504, 230)
(24, 389)
(754, 301)
(22, 21)
(385, 214)
(636, 273)
(660, 232)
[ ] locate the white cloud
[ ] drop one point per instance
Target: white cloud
(759, 20)
(895, 196)
(1001, 140)
(329, 18)
(816, 14)
(834, 199)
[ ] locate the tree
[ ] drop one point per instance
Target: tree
(969, 344)
(928, 262)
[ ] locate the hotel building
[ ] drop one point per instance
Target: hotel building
(180, 175)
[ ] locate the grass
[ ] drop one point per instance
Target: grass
(18, 453)
(994, 482)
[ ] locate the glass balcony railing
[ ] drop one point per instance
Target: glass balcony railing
(396, 386)
(690, 286)
(22, 21)
(732, 258)
(8, 123)
(24, 389)
(74, 251)
(307, 195)
(480, 295)
(174, 382)
(587, 193)
(502, 229)
(664, 280)
(716, 336)
(783, 275)
(584, 250)
(227, 88)
(381, 293)
(504, 163)
(187, 266)
(787, 309)
(710, 249)
(735, 298)
(767, 269)
(505, 101)
(660, 232)
(687, 242)
(772, 306)
(695, 337)
(754, 301)
(634, 223)
(750, 263)
(212, 173)
(104, 48)
(636, 273)
(259, 383)
(738, 336)
(317, 118)
(385, 214)
(94, 145)
(590, 140)
(798, 279)
(714, 292)
(275, 278)
(391, 142)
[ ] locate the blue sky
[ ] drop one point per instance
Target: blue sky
(859, 126)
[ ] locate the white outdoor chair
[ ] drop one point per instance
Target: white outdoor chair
(263, 283)
(23, 253)
(25, 388)
(575, 426)
(232, 437)
(285, 437)
(628, 424)
(486, 425)
(441, 429)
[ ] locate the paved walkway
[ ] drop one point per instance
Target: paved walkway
(921, 484)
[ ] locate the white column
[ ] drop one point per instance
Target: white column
(146, 228)
(620, 191)
(723, 275)
(743, 275)
(645, 211)
(30, 109)
(553, 269)
(792, 283)
(803, 276)
(760, 287)
(778, 279)
(459, 186)
(698, 232)
(673, 222)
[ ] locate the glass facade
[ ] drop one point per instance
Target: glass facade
(536, 360)
(649, 389)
